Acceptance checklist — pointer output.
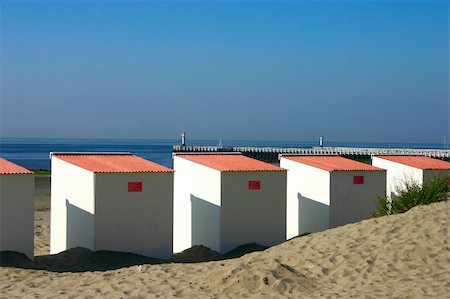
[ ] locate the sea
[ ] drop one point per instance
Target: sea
(34, 153)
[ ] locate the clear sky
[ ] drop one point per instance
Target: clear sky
(375, 71)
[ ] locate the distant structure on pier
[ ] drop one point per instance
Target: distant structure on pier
(270, 154)
(183, 139)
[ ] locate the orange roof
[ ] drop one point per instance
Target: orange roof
(111, 163)
(333, 163)
(7, 167)
(230, 162)
(420, 162)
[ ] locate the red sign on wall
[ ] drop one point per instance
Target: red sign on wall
(254, 185)
(358, 180)
(134, 186)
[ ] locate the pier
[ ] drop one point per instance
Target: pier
(271, 154)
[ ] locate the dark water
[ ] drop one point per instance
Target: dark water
(33, 153)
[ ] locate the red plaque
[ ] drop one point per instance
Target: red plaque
(358, 180)
(134, 186)
(254, 185)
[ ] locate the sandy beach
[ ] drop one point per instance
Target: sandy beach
(401, 256)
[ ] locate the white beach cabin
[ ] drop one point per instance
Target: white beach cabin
(111, 201)
(402, 170)
(222, 201)
(16, 209)
(329, 191)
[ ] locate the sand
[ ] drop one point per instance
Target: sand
(399, 256)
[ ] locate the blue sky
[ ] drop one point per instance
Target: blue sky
(374, 71)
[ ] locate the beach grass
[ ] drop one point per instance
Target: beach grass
(414, 194)
(41, 172)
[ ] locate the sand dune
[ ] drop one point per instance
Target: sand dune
(402, 256)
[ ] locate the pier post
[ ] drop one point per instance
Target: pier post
(183, 139)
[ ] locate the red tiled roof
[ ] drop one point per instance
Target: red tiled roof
(7, 167)
(111, 163)
(333, 163)
(420, 162)
(230, 162)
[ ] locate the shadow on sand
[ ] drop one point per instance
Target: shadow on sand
(76, 260)
(82, 259)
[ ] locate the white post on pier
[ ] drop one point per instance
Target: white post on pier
(321, 141)
(183, 138)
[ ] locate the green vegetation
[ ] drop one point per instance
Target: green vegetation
(412, 195)
(359, 158)
(41, 172)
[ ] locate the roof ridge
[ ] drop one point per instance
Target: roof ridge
(231, 163)
(342, 163)
(119, 163)
(417, 161)
(7, 167)
(91, 153)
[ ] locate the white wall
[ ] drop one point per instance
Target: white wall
(136, 222)
(252, 216)
(351, 202)
(308, 198)
(398, 175)
(72, 201)
(194, 183)
(17, 213)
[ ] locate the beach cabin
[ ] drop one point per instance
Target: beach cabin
(329, 191)
(111, 201)
(225, 200)
(402, 170)
(16, 208)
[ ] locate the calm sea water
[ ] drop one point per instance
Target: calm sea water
(33, 153)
